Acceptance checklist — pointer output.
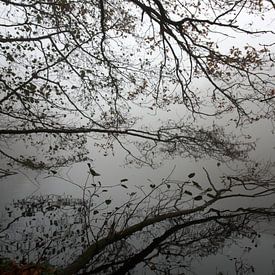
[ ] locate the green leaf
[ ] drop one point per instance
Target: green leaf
(123, 180)
(124, 186)
(188, 193)
(152, 185)
(191, 175)
(96, 212)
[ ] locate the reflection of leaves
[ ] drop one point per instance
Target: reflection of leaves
(191, 175)
(10, 57)
(108, 202)
(198, 198)
(196, 184)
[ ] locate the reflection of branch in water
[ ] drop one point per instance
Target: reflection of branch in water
(9, 224)
(95, 234)
(44, 251)
(139, 257)
(241, 267)
(5, 173)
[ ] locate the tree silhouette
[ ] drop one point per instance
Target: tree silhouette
(79, 71)
(72, 70)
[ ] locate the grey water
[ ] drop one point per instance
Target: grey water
(241, 257)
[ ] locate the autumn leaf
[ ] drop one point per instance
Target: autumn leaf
(198, 198)
(190, 176)
(197, 185)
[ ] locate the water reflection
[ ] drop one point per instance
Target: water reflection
(162, 227)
